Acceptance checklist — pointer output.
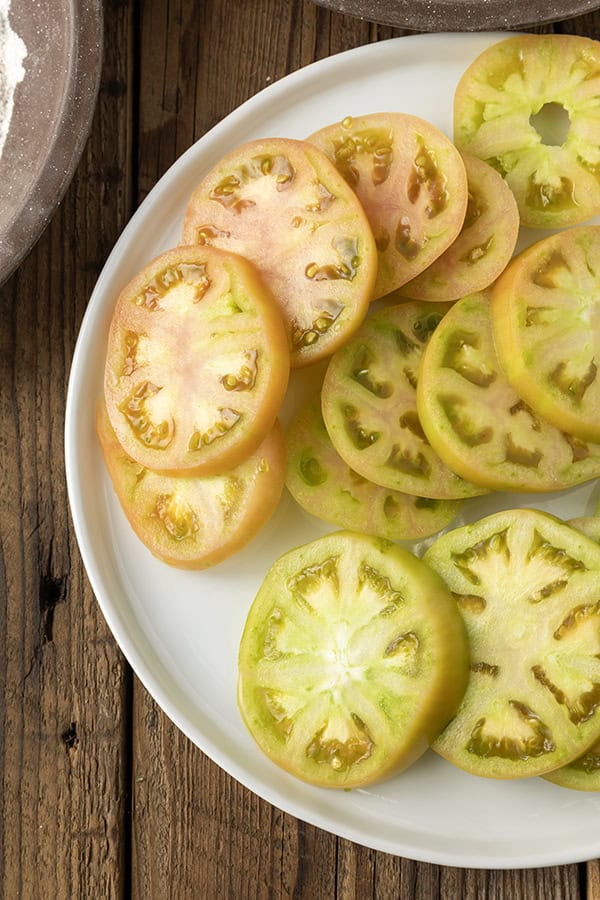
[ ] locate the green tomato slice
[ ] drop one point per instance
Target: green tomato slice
(370, 409)
(583, 774)
(411, 182)
(528, 588)
(588, 525)
(324, 485)
(476, 421)
(546, 320)
(553, 168)
(484, 246)
(352, 659)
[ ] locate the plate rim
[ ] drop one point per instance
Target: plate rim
(152, 681)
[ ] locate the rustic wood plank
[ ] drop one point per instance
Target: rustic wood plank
(63, 756)
(593, 880)
(198, 833)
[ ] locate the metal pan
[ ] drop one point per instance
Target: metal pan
(51, 118)
(461, 15)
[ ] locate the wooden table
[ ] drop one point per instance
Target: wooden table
(101, 795)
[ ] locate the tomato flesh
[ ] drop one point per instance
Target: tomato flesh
(325, 486)
(583, 774)
(476, 421)
(411, 182)
(352, 659)
(546, 321)
(555, 179)
(197, 363)
(528, 588)
(588, 525)
(484, 246)
(194, 522)
(370, 410)
(283, 205)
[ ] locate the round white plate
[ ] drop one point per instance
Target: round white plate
(180, 630)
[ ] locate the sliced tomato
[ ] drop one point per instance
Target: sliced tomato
(484, 246)
(552, 166)
(528, 588)
(588, 525)
(370, 408)
(283, 205)
(583, 774)
(353, 658)
(325, 486)
(193, 522)
(476, 421)
(197, 363)
(411, 182)
(546, 320)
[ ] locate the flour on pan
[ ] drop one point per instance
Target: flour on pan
(12, 53)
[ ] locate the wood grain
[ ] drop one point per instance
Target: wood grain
(101, 795)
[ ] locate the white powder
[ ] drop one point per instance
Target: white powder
(12, 53)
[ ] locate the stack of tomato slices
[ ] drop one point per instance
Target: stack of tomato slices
(453, 369)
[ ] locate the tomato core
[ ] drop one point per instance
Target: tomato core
(552, 122)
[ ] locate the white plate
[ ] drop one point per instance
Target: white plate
(180, 630)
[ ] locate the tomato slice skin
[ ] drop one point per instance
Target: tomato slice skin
(588, 525)
(193, 522)
(352, 659)
(282, 204)
(370, 410)
(555, 178)
(583, 774)
(527, 586)
(545, 312)
(322, 484)
(197, 362)
(484, 246)
(476, 421)
(411, 182)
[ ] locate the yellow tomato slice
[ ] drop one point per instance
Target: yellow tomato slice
(476, 421)
(411, 182)
(193, 522)
(353, 658)
(546, 319)
(283, 205)
(197, 363)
